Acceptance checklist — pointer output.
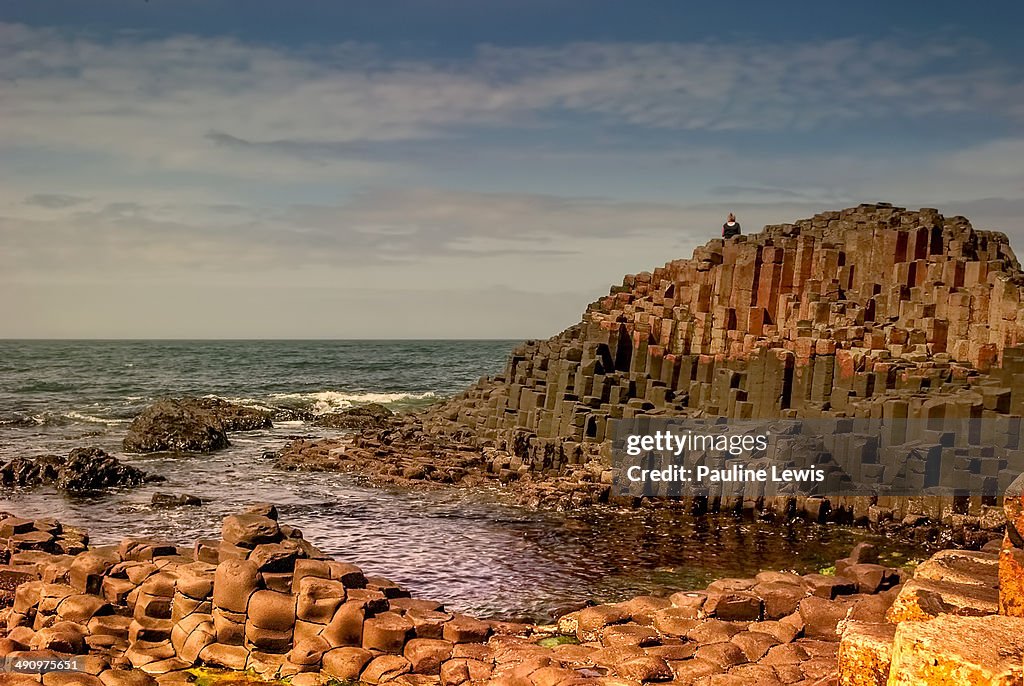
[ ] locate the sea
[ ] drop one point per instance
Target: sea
(467, 548)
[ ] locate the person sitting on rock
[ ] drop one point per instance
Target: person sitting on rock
(731, 227)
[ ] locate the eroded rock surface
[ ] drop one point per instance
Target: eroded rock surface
(262, 598)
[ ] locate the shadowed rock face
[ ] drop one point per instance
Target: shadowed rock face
(190, 424)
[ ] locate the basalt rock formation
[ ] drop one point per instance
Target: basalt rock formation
(869, 312)
(868, 309)
(262, 598)
(369, 416)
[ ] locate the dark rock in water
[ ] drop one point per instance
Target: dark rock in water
(369, 416)
(288, 414)
(20, 472)
(171, 500)
(19, 420)
(234, 417)
(175, 425)
(85, 469)
(191, 424)
(91, 469)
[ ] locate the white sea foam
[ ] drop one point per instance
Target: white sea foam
(82, 417)
(247, 402)
(325, 402)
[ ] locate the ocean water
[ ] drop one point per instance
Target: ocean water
(466, 548)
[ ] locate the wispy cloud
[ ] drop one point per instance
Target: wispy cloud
(188, 102)
(377, 227)
(54, 201)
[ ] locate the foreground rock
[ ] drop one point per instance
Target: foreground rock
(82, 471)
(264, 599)
(371, 416)
(957, 622)
(191, 424)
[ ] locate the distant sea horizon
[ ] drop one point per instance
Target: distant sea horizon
(242, 340)
(51, 389)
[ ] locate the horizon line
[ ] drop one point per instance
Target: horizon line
(246, 340)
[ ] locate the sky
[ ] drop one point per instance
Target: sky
(461, 168)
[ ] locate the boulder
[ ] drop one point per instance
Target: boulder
(91, 469)
(176, 424)
(235, 417)
(191, 424)
(250, 530)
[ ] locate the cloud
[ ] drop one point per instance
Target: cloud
(373, 228)
(54, 201)
(220, 105)
(998, 159)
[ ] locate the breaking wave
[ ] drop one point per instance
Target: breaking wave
(325, 402)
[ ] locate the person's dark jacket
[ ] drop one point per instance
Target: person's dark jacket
(730, 230)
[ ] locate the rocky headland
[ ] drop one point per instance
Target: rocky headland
(868, 312)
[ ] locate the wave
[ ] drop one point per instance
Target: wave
(92, 419)
(58, 419)
(325, 402)
(245, 402)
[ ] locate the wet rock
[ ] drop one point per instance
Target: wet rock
(171, 500)
(84, 470)
(235, 417)
(176, 424)
(22, 472)
(91, 469)
(371, 416)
